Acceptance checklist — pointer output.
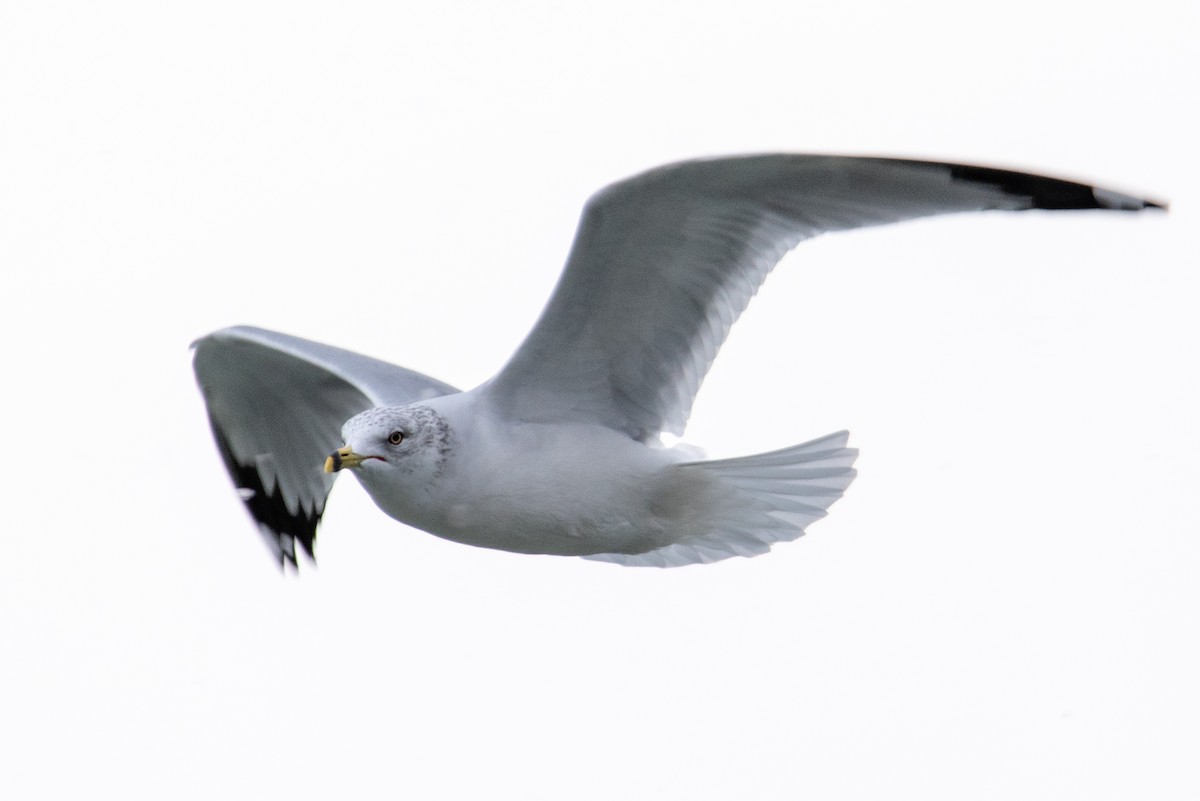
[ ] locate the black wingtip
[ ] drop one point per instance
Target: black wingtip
(1053, 194)
(279, 526)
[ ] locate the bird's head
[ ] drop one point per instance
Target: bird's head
(403, 447)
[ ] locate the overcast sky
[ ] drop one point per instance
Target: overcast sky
(1003, 605)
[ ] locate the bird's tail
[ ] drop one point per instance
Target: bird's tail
(766, 498)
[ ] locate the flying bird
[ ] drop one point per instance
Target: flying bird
(560, 452)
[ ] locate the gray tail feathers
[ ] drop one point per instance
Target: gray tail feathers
(765, 499)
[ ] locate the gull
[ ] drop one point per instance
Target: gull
(561, 451)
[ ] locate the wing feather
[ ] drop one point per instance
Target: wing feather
(664, 263)
(276, 405)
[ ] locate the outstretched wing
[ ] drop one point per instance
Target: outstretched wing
(276, 404)
(664, 262)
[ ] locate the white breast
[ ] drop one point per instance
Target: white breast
(553, 488)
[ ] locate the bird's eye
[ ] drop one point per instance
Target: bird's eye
(396, 437)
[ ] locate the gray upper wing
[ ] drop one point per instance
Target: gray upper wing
(664, 262)
(276, 404)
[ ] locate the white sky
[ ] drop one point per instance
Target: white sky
(1003, 606)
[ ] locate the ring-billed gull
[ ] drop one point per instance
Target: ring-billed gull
(559, 453)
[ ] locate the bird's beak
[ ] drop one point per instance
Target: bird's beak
(343, 457)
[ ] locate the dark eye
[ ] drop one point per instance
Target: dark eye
(396, 437)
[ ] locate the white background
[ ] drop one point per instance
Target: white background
(1003, 605)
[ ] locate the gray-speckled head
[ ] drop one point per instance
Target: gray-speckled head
(399, 455)
(411, 440)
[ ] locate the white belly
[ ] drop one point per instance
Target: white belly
(568, 490)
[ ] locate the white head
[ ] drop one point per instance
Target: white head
(397, 452)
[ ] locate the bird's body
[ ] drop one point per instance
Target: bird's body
(559, 453)
(467, 472)
(535, 487)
